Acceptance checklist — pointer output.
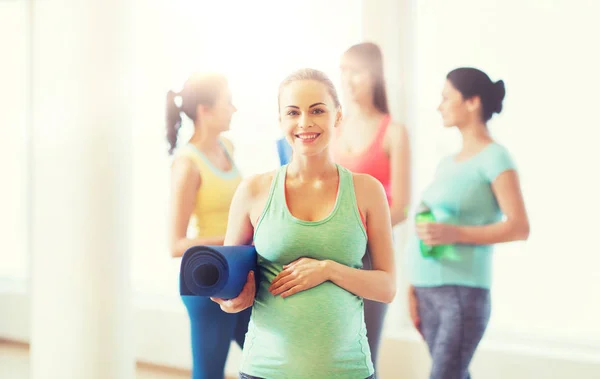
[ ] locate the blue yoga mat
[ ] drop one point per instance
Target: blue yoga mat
(216, 271)
(284, 150)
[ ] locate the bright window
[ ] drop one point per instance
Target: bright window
(14, 76)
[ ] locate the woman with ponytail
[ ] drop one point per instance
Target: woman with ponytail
(476, 198)
(204, 178)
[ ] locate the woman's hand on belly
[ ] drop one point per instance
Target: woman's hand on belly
(244, 300)
(300, 275)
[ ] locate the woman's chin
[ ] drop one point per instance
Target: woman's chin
(224, 128)
(308, 150)
(355, 98)
(448, 123)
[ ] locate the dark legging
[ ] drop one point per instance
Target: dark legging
(453, 321)
(374, 317)
(212, 332)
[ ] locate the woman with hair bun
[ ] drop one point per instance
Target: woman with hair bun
(476, 199)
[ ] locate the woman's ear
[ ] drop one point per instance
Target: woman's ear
(473, 103)
(201, 109)
(338, 117)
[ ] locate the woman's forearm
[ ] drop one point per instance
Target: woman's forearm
(185, 243)
(493, 233)
(376, 285)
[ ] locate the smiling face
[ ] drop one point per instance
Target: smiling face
(308, 115)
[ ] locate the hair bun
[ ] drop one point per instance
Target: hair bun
(499, 93)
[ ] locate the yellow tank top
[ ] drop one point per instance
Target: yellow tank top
(209, 218)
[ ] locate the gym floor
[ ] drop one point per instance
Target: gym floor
(14, 364)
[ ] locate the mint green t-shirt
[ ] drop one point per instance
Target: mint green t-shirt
(461, 194)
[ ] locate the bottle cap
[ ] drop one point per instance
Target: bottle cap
(422, 208)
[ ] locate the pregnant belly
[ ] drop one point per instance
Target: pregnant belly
(326, 316)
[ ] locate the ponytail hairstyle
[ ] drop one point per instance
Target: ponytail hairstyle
(173, 120)
(369, 54)
(471, 82)
(198, 89)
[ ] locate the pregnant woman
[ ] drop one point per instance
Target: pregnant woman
(311, 221)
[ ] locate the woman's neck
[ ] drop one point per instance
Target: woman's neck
(473, 134)
(366, 111)
(310, 168)
(204, 140)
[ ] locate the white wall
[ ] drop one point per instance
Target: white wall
(14, 98)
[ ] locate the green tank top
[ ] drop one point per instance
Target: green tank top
(320, 332)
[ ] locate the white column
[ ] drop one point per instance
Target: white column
(390, 24)
(81, 190)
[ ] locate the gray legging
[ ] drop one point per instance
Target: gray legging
(453, 321)
(374, 317)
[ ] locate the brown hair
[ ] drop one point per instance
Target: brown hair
(311, 74)
(198, 89)
(370, 55)
(471, 82)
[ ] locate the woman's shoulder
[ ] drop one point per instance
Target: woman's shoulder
(396, 133)
(367, 188)
(494, 152)
(255, 186)
(394, 126)
(184, 161)
(498, 148)
(495, 159)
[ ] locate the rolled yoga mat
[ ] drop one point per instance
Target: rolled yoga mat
(216, 271)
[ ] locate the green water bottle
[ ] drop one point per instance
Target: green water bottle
(448, 252)
(424, 214)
